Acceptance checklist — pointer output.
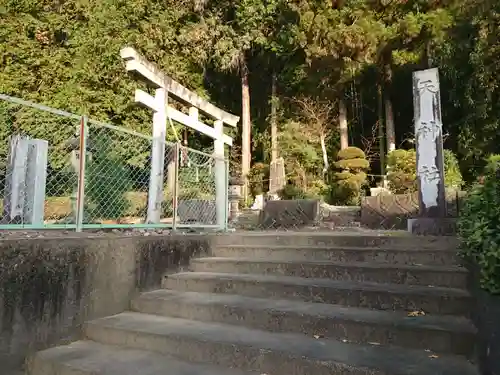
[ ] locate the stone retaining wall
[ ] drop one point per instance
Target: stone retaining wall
(50, 287)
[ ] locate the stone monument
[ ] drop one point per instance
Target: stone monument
(277, 177)
(430, 159)
(26, 175)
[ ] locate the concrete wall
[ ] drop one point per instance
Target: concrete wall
(486, 317)
(50, 287)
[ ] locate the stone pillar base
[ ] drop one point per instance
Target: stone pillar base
(433, 226)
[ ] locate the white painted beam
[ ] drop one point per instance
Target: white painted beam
(191, 121)
(199, 126)
(153, 78)
(138, 64)
(146, 100)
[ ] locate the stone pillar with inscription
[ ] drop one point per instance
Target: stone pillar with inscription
(277, 177)
(430, 159)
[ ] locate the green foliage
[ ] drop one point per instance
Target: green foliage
(452, 177)
(196, 183)
(349, 182)
(194, 192)
(351, 153)
(492, 163)
(302, 154)
(107, 182)
(470, 77)
(67, 56)
(402, 171)
(290, 192)
(478, 227)
(353, 164)
(257, 177)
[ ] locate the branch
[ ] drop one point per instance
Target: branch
(318, 111)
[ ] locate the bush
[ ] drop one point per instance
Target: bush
(351, 153)
(291, 192)
(479, 224)
(402, 171)
(257, 177)
(452, 175)
(351, 178)
(492, 164)
(107, 182)
(353, 164)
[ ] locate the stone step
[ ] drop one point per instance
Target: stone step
(439, 333)
(369, 238)
(435, 300)
(268, 353)
(92, 358)
(340, 254)
(449, 276)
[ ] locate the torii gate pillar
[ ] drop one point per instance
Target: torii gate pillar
(159, 104)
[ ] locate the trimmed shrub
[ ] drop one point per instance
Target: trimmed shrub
(351, 153)
(353, 164)
(351, 178)
(479, 224)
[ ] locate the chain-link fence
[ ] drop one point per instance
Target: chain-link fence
(61, 170)
(297, 215)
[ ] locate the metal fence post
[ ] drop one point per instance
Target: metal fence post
(80, 197)
(175, 197)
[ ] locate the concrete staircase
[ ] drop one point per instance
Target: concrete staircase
(291, 304)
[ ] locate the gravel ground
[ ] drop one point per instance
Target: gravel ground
(23, 234)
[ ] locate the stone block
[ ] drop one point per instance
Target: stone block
(289, 214)
(393, 211)
(433, 226)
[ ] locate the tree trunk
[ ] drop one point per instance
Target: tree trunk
(246, 150)
(274, 121)
(380, 114)
(390, 130)
(344, 135)
(389, 124)
(427, 54)
(325, 153)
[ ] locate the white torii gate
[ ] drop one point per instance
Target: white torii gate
(164, 86)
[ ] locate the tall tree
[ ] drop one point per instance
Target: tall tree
(470, 77)
(227, 34)
(339, 41)
(410, 31)
(66, 55)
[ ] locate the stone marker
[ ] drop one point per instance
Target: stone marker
(429, 140)
(429, 144)
(25, 181)
(277, 177)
